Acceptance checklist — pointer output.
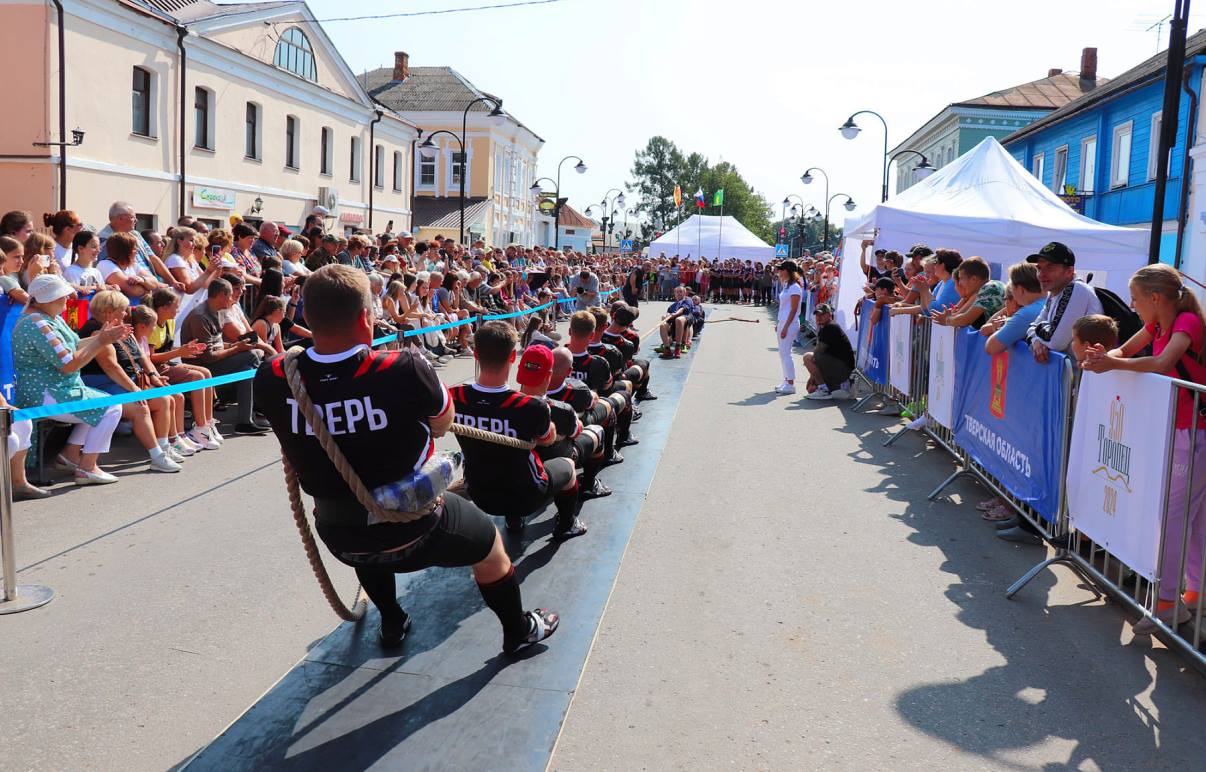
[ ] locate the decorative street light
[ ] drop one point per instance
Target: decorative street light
(807, 179)
(850, 130)
(794, 208)
(429, 149)
(607, 210)
(922, 170)
(580, 167)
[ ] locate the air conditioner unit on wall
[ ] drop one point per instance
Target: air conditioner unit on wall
(328, 197)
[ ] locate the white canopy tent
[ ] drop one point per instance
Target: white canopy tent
(985, 203)
(709, 236)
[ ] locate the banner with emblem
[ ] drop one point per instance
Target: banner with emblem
(873, 344)
(940, 401)
(1009, 413)
(1118, 464)
(900, 368)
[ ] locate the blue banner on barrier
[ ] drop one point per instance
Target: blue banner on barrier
(873, 344)
(1009, 415)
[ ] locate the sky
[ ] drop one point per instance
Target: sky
(762, 84)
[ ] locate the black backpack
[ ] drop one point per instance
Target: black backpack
(1114, 307)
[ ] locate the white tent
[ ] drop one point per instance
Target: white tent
(708, 236)
(985, 203)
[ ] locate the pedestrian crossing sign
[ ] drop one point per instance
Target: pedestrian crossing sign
(626, 245)
(780, 250)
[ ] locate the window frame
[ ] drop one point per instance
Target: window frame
(1059, 176)
(296, 55)
(1127, 130)
(1088, 166)
(326, 149)
(292, 142)
(420, 170)
(355, 159)
(253, 111)
(142, 100)
(1038, 166)
(1153, 144)
(379, 167)
(208, 122)
(399, 165)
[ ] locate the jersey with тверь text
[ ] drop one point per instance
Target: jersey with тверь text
(492, 468)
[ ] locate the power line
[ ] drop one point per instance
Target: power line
(408, 14)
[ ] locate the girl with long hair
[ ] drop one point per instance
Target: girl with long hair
(788, 326)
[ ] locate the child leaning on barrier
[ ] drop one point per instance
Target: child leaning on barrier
(1093, 330)
(1174, 326)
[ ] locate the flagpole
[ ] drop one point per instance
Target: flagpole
(699, 234)
(720, 231)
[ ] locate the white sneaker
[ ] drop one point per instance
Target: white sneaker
(164, 463)
(821, 393)
(202, 439)
(185, 441)
(840, 393)
(171, 453)
(183, 448)
(212, 432)
(786, 388)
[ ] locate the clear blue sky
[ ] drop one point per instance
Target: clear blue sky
(761, 83)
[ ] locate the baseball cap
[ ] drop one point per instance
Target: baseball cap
(405, 235)
(625, 314)
(49, 287)
(920, 250)
(824, 308)
(1055, 252)
(284, 231)
(534, 366)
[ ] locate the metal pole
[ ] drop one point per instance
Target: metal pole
(16, 597)
(1174, 63)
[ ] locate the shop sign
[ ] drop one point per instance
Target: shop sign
(213, 198)
(351, 218)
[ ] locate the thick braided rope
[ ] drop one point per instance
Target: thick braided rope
(485, 436)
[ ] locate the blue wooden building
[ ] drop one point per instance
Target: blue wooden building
(1099, 151)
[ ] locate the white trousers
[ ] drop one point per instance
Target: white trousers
(19, 437)
(94, 439)
(785, 344)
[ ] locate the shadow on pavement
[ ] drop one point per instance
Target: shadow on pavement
(1065, 675)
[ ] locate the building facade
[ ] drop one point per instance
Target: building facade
(962, 125)
(1101, 151)
(500, 161)
(194, 108)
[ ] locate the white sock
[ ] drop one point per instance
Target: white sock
(156, 453)
(163, 443)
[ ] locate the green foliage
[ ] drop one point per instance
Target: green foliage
(661, 165)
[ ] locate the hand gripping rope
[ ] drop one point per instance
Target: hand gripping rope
(354, 483)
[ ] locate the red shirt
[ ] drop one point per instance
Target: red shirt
(1189, 324)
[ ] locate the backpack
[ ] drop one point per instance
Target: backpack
(1114, 307)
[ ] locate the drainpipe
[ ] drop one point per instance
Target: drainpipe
(62, 107)
(181, 32)
(372, 164)
(1186, 159)
(413, 185)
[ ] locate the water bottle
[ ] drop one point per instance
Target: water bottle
(417, 491)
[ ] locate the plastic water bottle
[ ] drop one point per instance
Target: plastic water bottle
(417, 491)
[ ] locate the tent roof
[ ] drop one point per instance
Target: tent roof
(707, 235)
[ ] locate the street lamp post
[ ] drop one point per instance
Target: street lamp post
(497, 116)
(786, 200)
(921, 171)
(607, 210)
(850, 130)
(850, 205)
(580, 167)
(807, 178)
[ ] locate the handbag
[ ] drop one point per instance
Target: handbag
(142, 378)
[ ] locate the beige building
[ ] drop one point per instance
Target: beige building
(501, 155)
(189, 107)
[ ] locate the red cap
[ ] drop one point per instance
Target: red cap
(534, 366)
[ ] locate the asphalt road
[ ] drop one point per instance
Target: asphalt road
(788, 600)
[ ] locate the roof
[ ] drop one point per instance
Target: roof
(1150, 70)
(572, 218)
(195, 10)
(443, 212)
(428, 89)
(1046, 93)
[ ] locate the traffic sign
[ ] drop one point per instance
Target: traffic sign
(781, 250)
(626, 245)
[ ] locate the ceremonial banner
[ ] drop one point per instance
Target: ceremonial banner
(1009, 415)
(1118, 465)
(900, 370)
(940, 401)
(873, 345)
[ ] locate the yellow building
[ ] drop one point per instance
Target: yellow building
(192, 108)
(501, 154)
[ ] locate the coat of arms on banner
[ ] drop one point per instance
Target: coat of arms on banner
(1000, 378)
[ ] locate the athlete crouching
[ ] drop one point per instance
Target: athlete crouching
(620, 334)
(592, 409)
(508, 481)
(383, 409)
(595, 371)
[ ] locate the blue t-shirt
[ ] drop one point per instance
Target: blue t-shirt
(945, 294)
(1016, 326)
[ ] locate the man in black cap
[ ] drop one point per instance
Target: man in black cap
(917, 253)
(831, 363)
(1067, 300)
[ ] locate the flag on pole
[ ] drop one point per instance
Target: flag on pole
(699, 198)
(718, 198)
(678, 196)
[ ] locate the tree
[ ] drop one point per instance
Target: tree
(655, 171)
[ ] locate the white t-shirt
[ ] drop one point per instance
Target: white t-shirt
(63, 255)
(107, 268)
(83, 277)
(785, 303)
(191, 270)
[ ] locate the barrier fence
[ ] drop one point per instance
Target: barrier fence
(1110, 468)
(24, 597)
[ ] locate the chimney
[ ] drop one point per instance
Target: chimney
(401, 65)
(1054, 71)
(1088, 67)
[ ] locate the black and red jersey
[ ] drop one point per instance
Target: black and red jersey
(575, 393)
(565, 419)
(495, 469)
(593, 370)
(615, 359)
(626, 346)
(375, 405)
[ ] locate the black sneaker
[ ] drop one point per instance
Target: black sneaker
(250, 429)
(637, 414)
(629, 440)
(646, 396)
(392, 634)
(577, 528)
(597, 492)
(541, 624)
(514, 523)
(263, 424)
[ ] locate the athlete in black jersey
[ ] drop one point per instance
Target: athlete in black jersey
(383, 409)
(619, 333)
(503, 480)
(598, 372)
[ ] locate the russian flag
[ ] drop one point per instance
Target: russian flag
(699, 198)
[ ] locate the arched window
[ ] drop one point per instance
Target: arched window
(293, 53)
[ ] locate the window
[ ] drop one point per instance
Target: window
(397, 172)
(251, 135)
(1120, 155)
(379, 166)
(141, 107)
(326, 143)
(354, 163)
(293, 53)
(1088, 165)
(291, 138)
(203, 135)
(144, 222)
(1038, 166)
(1153, 146)
(458, 166)
(1060, 177)
(427, 170)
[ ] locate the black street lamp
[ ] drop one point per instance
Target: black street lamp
(922, 170)
(536, 191)
(497, 117)
(787, 200)
(850, 130)
(608, 209)
(850, 205)
(807, 179)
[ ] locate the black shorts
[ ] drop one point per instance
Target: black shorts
(462, 536)
(596, 415)
(524, 502)
(629, 298)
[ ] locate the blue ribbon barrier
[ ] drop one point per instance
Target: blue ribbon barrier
(513, 314)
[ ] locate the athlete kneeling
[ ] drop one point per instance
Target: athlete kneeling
(508, 481)
(620, 334)
(382, 408)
